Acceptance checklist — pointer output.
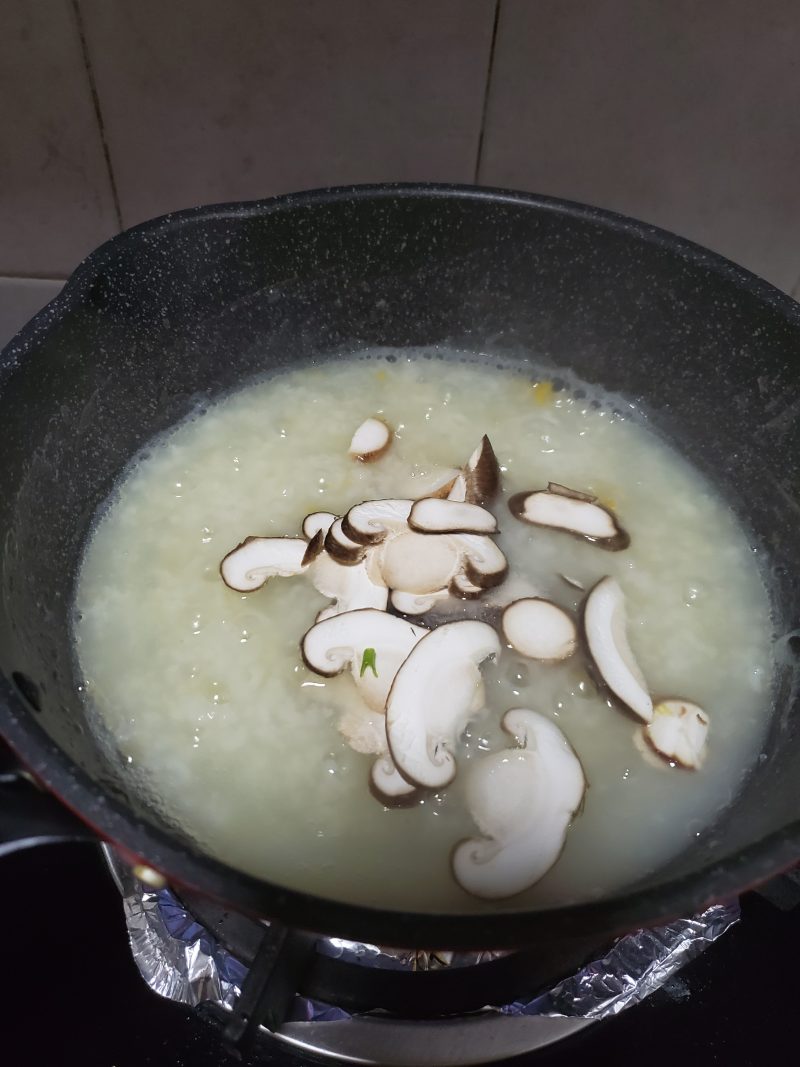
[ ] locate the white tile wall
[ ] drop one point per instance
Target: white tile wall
(214, 101)
(682, 113)
(56, 203)
(20, 299)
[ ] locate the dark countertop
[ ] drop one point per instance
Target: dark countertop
(63, 933)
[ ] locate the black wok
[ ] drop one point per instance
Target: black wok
(191, 304)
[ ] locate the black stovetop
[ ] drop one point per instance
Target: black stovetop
(62, 932)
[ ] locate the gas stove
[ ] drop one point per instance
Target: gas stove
(69, 961)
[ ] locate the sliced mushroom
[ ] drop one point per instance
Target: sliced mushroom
(539, 629)
(560, 508)
(350, 587)
(432, 697)
(388, 785)
(371, 521)
(484, 564)
(604, 629)
(341, 547)
(335, 643)
(318, 521)
(432, 515)
(482, 474)
(417, 563)
(679, 732)
(458, 490)
(370, 440)
(314, 548)
(522, 801)
(442, 485)
(572, 582)
(461, 586)
(414, 603)
(363, 728)
(257, 559)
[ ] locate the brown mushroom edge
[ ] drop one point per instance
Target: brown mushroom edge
(593, 671)
(618, 543)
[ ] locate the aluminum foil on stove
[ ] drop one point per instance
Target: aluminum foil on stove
(181, 960)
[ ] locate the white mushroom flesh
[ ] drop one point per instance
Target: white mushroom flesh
(432, 698)
(438, 484)
(341, 547)
(679, 732)
(462, 587)
(458, 490)
(539, 629)
(363, 728)
(484, 563)
(416, 604)
(373, 644)
(417, 563)
(605, 631)
(257, 559)
(386, 782)
(370, 441)
(369, 522)
(522, 801)
(561, 509)
(350, 588)
(317, 521)
(433, 515)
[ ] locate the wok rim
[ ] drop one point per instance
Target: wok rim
(182, 865)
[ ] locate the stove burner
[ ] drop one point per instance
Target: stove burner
(283, 961)
(275, 988)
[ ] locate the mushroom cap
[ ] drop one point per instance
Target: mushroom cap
(370, 441)
(343, 549)
(316, 521)
(605, 633)
(389, 786)
(482, 474)
(679, 732)
(559, 508)
(539, 629)
(432, 698)
(338, 642)
(350, 587)
(522, 801)
(434, 515)
(257, 559)
(461, 586)
(484, 563)
(314, 548)
(369, 522)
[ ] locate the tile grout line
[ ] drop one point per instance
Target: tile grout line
(97, 111)
(489, 66)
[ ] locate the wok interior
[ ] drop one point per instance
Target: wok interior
(186, 309)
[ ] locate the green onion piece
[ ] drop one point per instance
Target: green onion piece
(368, 661)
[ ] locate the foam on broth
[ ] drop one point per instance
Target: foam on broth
(208, 702)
